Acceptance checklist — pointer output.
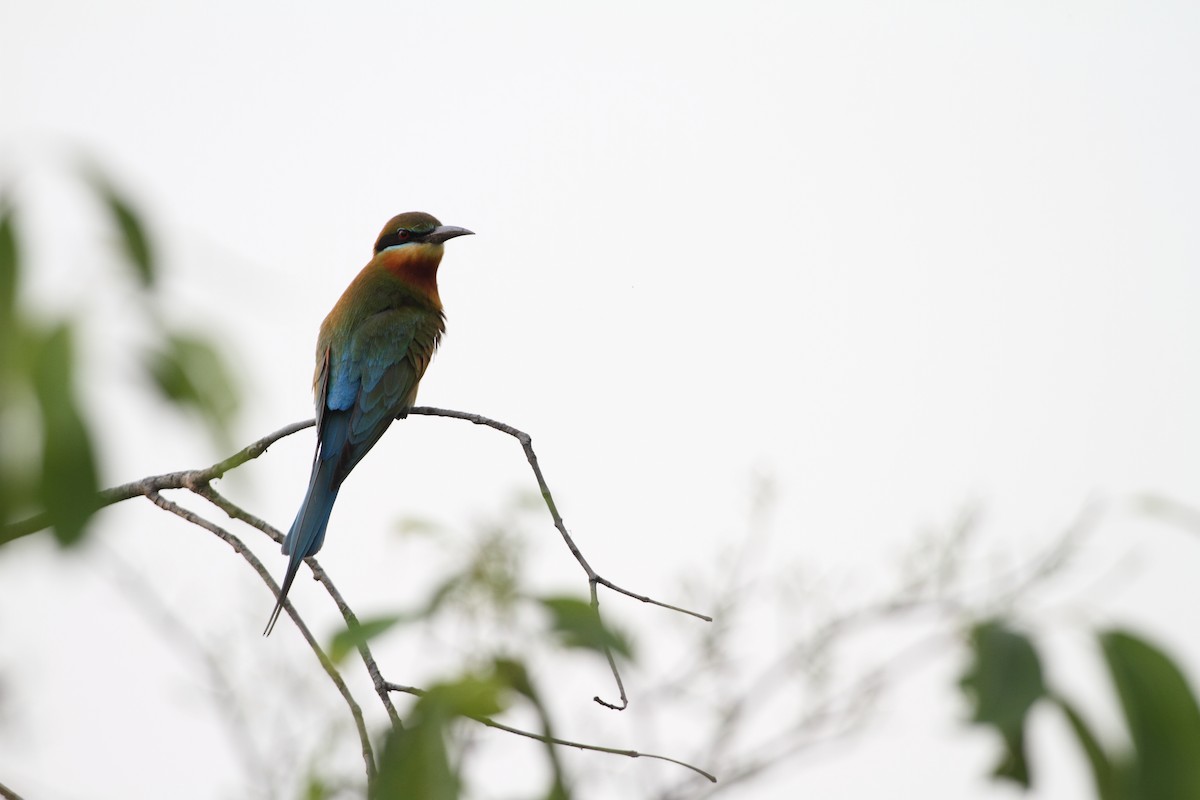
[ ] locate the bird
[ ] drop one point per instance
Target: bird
(372, 350)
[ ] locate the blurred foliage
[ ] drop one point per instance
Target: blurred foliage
(48, 460)
(346, 641)
(416, 761)
(68, 482)
(1162, 716)
(1004, 682)
(134, 240)
(1160, 713)
(576, 624)
(483, 588)
(190, 373)
(9, 258)
(48, 468)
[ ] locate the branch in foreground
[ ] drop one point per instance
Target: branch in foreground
(237, 512)
(593, 577)
(186, 479)
(326, 664)
(937, 590)
(491, 723)
(199, 482)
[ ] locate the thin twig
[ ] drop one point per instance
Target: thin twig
(620, 590)
(838, 713)
(1170, 509)
(593, 577)
(527, 445)
(234, 511)
(186, 479)
(199, 482)
(237, 512)
(612, 662)
(491, 723)
(364, 651)
(241, 549)
(8, 794)
(847, 708)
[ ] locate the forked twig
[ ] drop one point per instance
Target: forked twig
(186, 479)
(330, 670)
(593, 577)
(237, 512)
(491, 723)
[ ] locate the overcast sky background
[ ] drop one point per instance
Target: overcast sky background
(900, 259)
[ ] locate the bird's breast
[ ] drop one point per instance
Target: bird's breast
(416, 265)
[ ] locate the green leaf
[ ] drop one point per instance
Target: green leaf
(189, 372)
(9, 264)
(415, 763)
(9, 373)
(1003, 683)
(68, 483)
(17, 458)
(578, 625)
(1110, 774)
(315, 788)
(135, 242)
(348, 640)
(1162, 714)
(415, 760)
(12, 371)
(512, 673)
(468, 696)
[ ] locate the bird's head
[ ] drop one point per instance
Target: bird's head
(410, 247)
(417, 231)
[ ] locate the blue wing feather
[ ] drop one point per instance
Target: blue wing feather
(360, 390)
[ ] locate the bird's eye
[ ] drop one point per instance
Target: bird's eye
(392, 239)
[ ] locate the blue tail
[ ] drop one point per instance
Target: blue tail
(308, 531)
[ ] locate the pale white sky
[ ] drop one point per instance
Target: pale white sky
(900, 258)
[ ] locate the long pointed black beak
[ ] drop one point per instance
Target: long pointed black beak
(445, 232)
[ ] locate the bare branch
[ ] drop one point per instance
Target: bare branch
(199, 482)
(326, 664)
(187, 479)
(612, 662)
(491, 723)
(237, 512)
(940, 592)
(593, 577)
(1170, 509)
(364, 651)
(620, 590)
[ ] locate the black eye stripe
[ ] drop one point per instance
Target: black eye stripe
(392, 239)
